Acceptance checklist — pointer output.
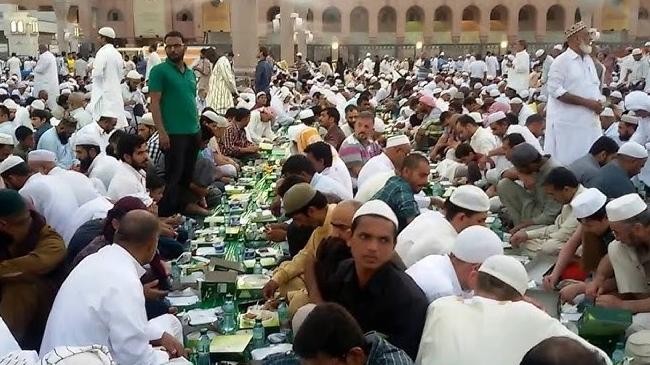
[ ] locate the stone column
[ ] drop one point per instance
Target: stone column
(61, 10)
(400, 24)
(302, 43)
(484, 26)
(244, 41)
(540, 26)
(286, 32)
(427, 32)
(513, 27)
(373, 25)
(456, 21)
(632, 19)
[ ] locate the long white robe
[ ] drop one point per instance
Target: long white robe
(46, 77)
(102, 303)
(13, 64)
(152, 61)
(108, 69)
(416, 241)
(52, 198)
(82, 187)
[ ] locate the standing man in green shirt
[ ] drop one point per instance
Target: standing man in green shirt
(172, 86)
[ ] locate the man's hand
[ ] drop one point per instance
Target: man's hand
(519, 238)
(163, 138)
(276, 235)
(151, 293)
(594, 106)
(550, 281)
(594, 288)
(570, 292)
(269, 289)
(610, 301)
(172, 346)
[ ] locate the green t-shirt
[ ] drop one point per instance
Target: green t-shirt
(178, 100)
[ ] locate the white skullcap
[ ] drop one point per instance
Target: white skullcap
(15, 92)
(107, 32)
(476, 116)
(477, 86)
(307, 113)
(607, 112)
(41, 156)
(539, 52)
(300, 316)
(216, 118)
(10, 162)
(647, 44)
(377, 207)
(616, 94)
(630, 118)
(373, 79)
(350, 85)
(3, 92)
(66, 92)
(470, 197)
(524, 94)
(86, 139)
(399, 140)
(299, 54)
(507, 269)
(490, 77)
(147, 119)
(134, 75)
(516, 101)
(475, 244)
(6, 139)
(145, 89)
(359, 88)
(625, 207)
(637, 100)
(494, 93)
(633, 149)
(37, 105)
(402, 102)
(558, 47)
(368, 54)
(495, 117)
(587, 203)
(436, 90)
(380, 126)
(636, 52)
(10, 104)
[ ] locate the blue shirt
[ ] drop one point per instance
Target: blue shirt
(64, 154)
(263, 73)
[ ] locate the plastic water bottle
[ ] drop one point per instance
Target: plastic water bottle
(257, 269)
(176, 274)
(258, 334)
(229, 314)
(618, 356)
(203, 348)
(283, 317)
(497, 227)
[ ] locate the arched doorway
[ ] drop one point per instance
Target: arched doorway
(332, 20)
(387, 20)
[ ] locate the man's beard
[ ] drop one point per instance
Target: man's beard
(63, 138)
(84, 164)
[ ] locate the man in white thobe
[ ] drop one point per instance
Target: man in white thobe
(574, 102)
(108, 70)
(46, 76)
(397, 148)
(519, 75)
(368, 64)
(153, 59)
(13, 63)
(492, 64)
(495, 324)
(98, 166)
(451, 274)
(222, 88)
(467, 206)
(50, 196)
(260, 126)
(639, 70)
(130, 175)
(102, 301)
(639, 103)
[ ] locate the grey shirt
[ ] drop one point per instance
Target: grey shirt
(613, 181)
(550, 207)
(586, 168)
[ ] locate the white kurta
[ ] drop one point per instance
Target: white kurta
(51, 197)
(103, 169)
(46, 77)
(519, 75)
(126, 181)
(258, 130)
(492, 65)
(108, 69)
(502, 332)
(152, 61)
(416, 241)
(102, 303)
(436, 276)
(13, 64)
(80, 185)
(94, 209)
(642, 137)
(327, 185)
(7, 341)
(483, 141)
(82, 117)
(339, 172)
(571, 129)
(524, 113)
(376, 165)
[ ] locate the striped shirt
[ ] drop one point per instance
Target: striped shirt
(353, 151)
(233, 140)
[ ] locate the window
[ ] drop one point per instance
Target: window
(21, 27)
(114, 15)
(14, 26)
(184, 16)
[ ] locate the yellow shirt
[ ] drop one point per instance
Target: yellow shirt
(291, 269)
